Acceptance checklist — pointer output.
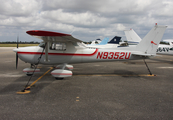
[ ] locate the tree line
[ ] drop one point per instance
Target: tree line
(20, 42)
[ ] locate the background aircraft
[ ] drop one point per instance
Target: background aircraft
(95, 42)
(132, 37)
(114, 42)
(104, 41)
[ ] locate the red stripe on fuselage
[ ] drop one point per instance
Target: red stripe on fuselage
(68, 54)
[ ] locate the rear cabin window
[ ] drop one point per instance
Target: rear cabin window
(171, 49)
(57, 46)
(164, 43)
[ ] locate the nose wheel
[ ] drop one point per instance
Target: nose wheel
(30, 71)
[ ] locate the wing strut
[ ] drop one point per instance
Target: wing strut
(46, 51)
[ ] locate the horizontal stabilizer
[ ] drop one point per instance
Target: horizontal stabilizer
(143, 55)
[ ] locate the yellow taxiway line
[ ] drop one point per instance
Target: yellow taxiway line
(26, 91)
(39, 78)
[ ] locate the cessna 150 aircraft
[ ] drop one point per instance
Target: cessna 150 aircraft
(64, 49)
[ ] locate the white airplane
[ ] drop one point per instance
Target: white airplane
(165, 49)
(63, 49)
(104, 41)
(95, 42)
(133, 39)
(169, 41)
(114, 42)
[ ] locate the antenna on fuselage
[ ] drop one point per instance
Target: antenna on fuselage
(72, 31)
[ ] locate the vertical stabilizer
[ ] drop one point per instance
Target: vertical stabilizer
(104, 41)
(115, 40)
(150, 42)
(132, 37)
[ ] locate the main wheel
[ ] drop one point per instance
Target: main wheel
(59, 78)
(29, 74)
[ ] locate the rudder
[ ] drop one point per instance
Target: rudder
(150, 42)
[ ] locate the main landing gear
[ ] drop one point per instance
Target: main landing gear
(60, 73)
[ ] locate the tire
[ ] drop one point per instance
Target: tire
(29, 74)
(57, 78)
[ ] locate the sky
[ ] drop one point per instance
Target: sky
(86, 20)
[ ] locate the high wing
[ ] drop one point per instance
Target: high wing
(48, 36)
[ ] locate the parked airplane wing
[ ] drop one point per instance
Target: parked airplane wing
(48, 36)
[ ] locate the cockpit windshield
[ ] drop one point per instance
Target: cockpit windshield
(42, 44)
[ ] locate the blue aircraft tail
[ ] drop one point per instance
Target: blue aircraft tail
(104, 41)
(115, 40)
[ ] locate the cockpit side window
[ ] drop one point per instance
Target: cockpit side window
(57, 46)
(42, 44)
(164, 42)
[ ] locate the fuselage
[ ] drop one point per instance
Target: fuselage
(73, 54)
(167, 48)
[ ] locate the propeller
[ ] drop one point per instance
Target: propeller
(16, 52)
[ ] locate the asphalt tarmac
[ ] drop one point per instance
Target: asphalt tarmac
(96, 91)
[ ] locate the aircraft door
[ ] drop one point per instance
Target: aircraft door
(55, 50)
